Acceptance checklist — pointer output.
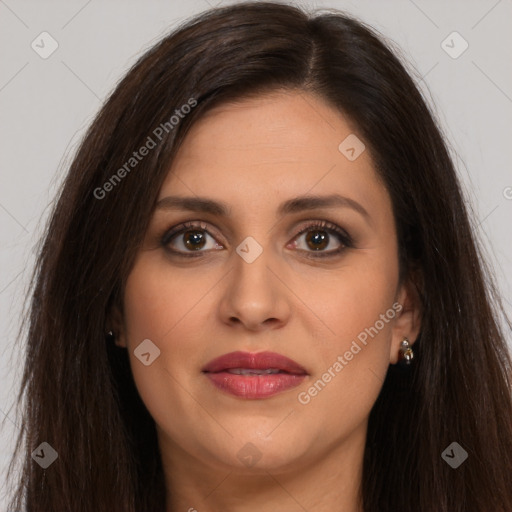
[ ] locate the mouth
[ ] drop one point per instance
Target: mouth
(254, 376)
(252, 371)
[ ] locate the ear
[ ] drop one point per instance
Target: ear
(407, 323)
(115, 323)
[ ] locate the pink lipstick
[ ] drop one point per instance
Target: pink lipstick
(254, 376)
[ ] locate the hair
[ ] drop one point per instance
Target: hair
(77, 390)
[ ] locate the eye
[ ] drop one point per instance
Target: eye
(189, 237)
(319, 237)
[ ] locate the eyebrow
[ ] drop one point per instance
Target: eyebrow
(297, 204)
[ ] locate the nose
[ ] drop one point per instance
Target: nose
(256, 297)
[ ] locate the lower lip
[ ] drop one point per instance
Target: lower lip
(254, 386)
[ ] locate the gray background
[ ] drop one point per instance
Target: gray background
(46, 104)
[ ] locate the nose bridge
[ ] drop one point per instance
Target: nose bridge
(254, 294)
(251, 273)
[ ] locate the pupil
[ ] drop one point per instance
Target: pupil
(317, 237)
(194, 239)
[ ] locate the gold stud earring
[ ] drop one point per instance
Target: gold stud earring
(405, 354)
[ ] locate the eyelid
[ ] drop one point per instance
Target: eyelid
(189, 225)
(345, 239)
(326, 226)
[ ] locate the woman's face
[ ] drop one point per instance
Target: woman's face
(256, 273)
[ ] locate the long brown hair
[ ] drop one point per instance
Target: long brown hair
(77, 390)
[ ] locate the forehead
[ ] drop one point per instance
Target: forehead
(273, 146)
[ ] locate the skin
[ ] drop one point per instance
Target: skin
(253, 155)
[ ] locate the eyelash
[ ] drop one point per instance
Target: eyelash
(323, 225)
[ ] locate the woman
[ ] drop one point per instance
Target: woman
(259, 290)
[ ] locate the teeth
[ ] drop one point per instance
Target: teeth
(252, 371)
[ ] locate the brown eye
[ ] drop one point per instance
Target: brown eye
(317, 239)
(194, 239)
(323, 238)
(189, 238)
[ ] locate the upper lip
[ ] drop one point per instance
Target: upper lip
(257, 361)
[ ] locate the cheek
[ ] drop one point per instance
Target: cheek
(362, 297)
(159, 306)
(154, 303)
(355, 308)
(158, 301)
(350, 300)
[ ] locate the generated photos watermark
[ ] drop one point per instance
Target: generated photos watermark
(137, 156)
(305, 397)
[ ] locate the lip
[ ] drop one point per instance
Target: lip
(254, 386)
(254, 361)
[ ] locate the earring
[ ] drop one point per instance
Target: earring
(110, 336)
(405, 354)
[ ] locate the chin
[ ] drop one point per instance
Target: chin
(253, 452)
